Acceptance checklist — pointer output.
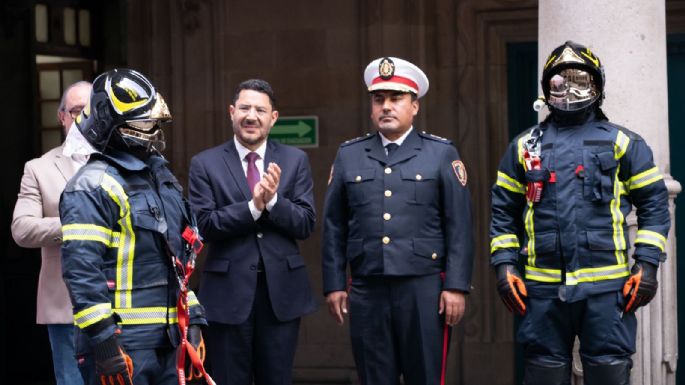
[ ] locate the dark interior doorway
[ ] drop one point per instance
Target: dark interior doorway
(676, 122)
(522, 88)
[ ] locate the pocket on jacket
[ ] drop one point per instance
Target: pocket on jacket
(600, 174)
(602, 240)
(295, 261)
(145, 213)
(432, 248)
(359, 186)
(422, 185)
(216, 265)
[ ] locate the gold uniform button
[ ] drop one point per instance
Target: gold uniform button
(434, 256)
(386, 240)
(388, 193)
(358, 178)
(388, 170)
(387, 216)
(418, 177)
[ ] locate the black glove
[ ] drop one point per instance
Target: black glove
(193, 375)
(112, 364)
(511, 288)
(641, 287)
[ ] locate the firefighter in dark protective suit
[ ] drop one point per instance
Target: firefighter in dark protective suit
(563, 191)
(129, 245)
(398, 212)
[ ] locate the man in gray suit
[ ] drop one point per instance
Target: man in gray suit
(36, 224)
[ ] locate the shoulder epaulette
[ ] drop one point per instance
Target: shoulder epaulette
(88, 177)
(355, 140)
(630, 134)
(436, 138)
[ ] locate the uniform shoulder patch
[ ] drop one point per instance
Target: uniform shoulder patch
(460, 171)
(436, 138)
(630, 134)
(357, 139)
(88, 177)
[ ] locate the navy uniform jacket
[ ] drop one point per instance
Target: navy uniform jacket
(407, 216)
(574, 241)
(116, 213)
(218, 193)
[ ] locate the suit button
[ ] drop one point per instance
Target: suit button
(434, 256)
(418, 177)
(260, 235)
(358, 178)
(253, 267)
(386, 240)
(387, 216)
(388, 170)
(388, 193)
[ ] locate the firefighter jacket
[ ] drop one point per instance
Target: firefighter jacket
(573, 242)
(118, 215)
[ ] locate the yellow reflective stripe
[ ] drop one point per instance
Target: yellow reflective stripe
(595, 274)
(147, 315)
(652, 238)
(530, 230)
(122, 106)
(509, 183)
(621, 145)
(90, 232)
(503, 241)
(125, 253)
(93, 314)
(192, 299)
(644, 178)
(617, 220)
(543, 275)
(519, 147)
(591, 274)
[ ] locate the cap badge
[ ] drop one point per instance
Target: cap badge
(386, 69)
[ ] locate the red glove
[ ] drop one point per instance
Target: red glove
(511, 288)
(641, 287)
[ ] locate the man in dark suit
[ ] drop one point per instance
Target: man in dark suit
(401, 217)
(253, 201)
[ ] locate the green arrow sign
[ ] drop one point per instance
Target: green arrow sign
(298, 131)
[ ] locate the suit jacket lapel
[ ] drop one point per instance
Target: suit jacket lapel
(409, 148)
(235, 166)
(64, 165)
(375, 150)
(271, 155)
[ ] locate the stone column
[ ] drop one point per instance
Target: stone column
(629, 36)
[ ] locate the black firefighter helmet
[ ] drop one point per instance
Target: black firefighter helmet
(125, 104)
(573, 77)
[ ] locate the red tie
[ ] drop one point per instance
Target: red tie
(252, 172)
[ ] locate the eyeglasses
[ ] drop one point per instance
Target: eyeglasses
(75, 111)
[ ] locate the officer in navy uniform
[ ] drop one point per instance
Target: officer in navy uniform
(398, 211)
(564, 189)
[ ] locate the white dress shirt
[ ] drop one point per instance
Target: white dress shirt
(398, 142)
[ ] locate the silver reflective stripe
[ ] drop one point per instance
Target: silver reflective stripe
(91, 315)
(597, 274)
(543, 275)
(149, 315)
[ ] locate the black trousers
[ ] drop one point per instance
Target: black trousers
(396, 329)
(261, 349)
